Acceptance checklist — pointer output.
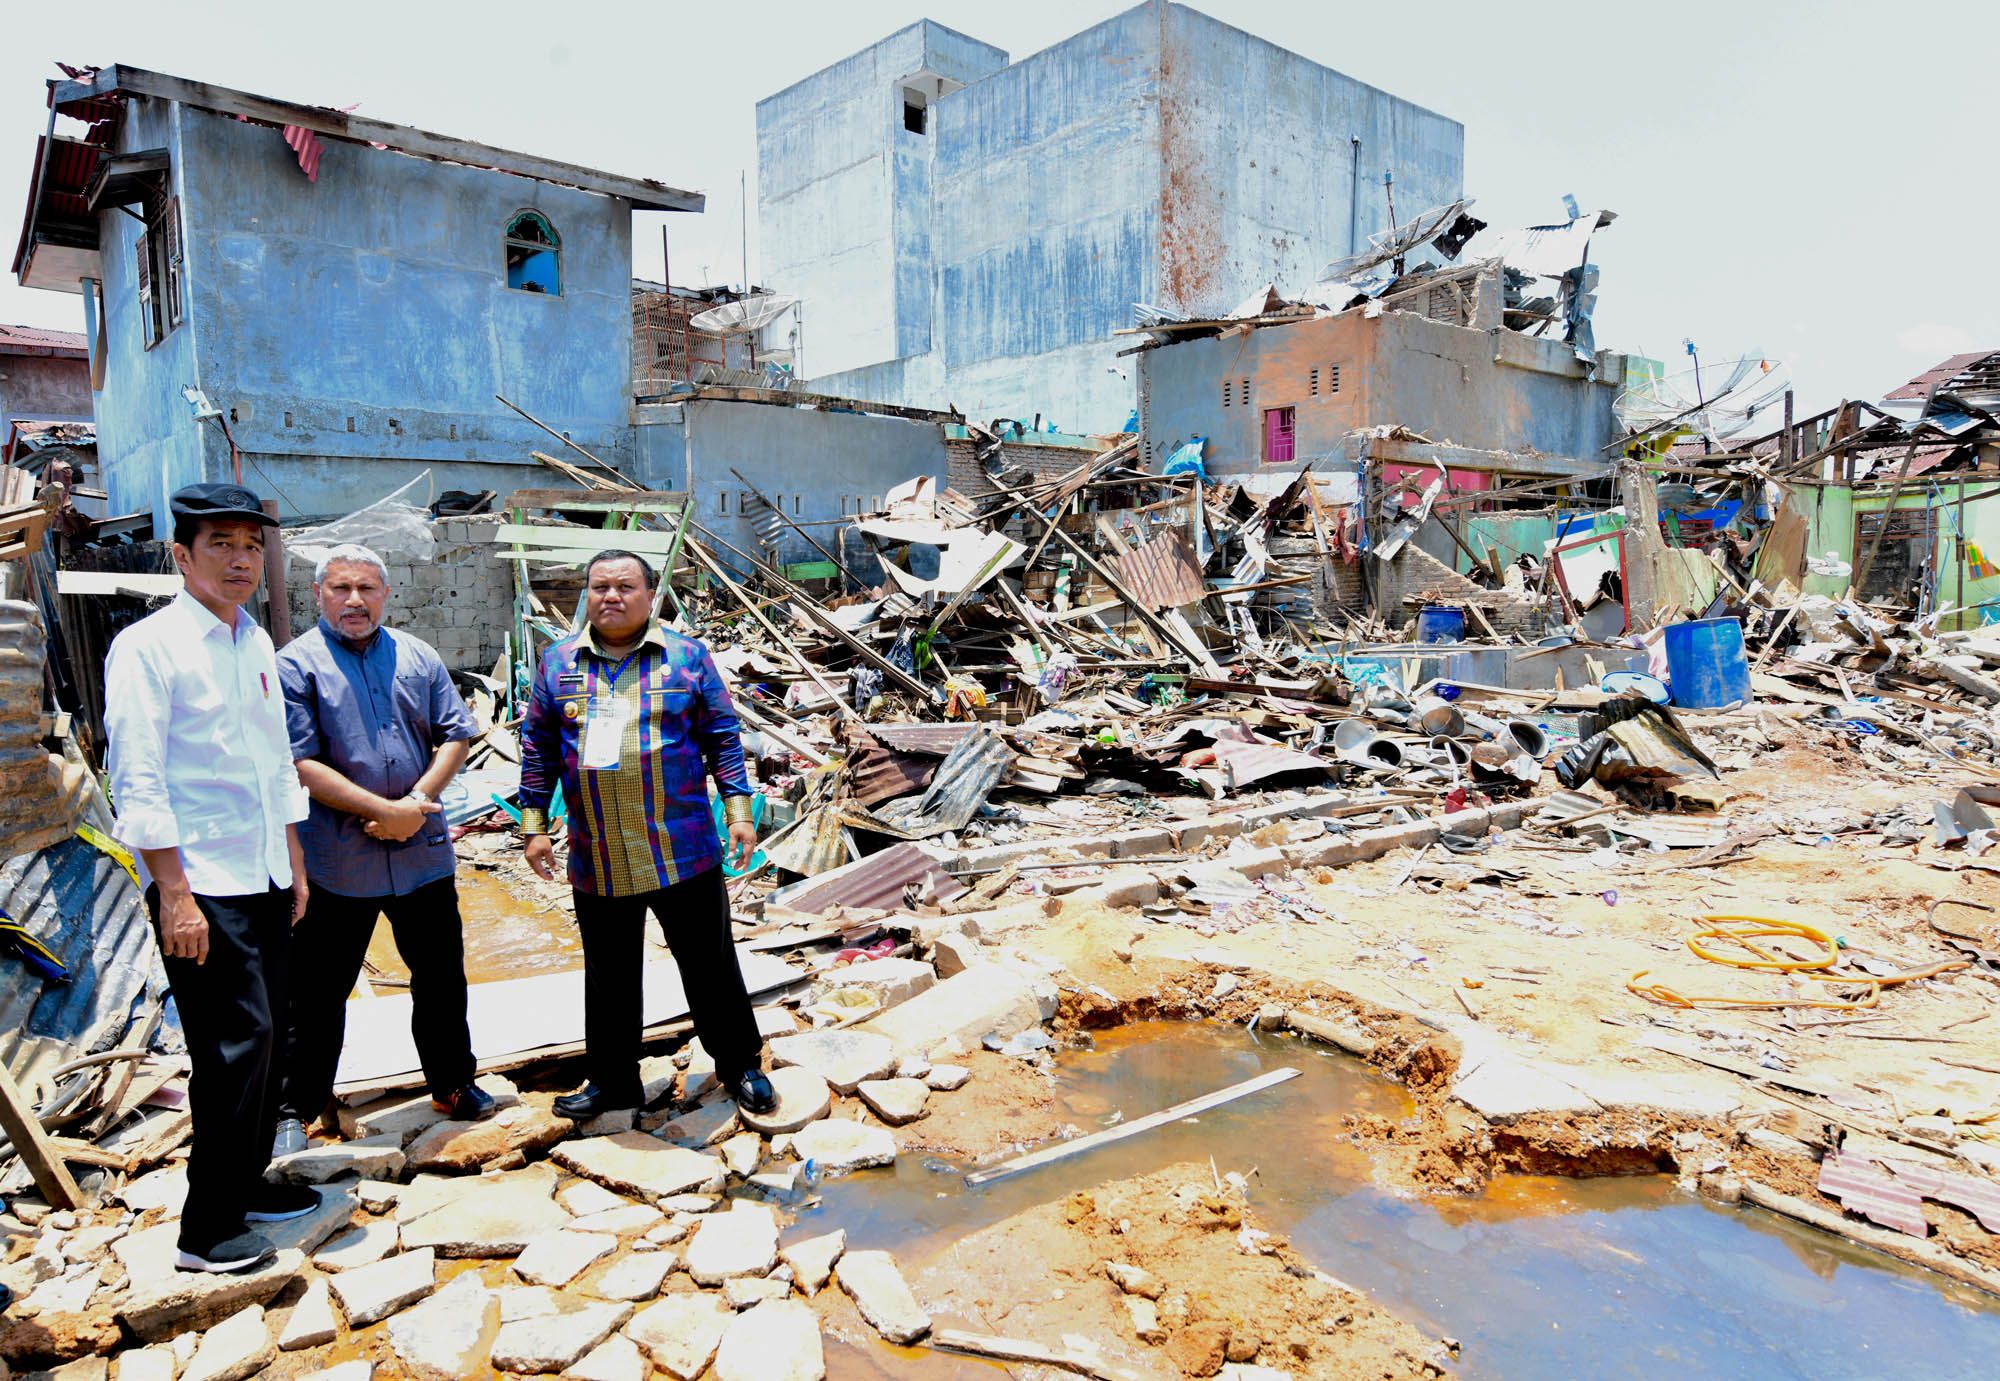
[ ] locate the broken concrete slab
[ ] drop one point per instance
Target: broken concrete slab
(745, 1292)
(889, 980)
(637, 1277)
(681, 1332)
(895, 1101)
(986, 999)
(628, 1221)
(448, 1335)
(617, 1358)
(371, 1293)
(164, 1189)
(877, 1287)
(556, 1258)
(586, 1197)
(238, 1347)
(947, 1078)
(360, 1369)
(741, 1153)
(641, 1165)
(362, 1246)
(526, 1302)
(456, 1147)
(1135, 1280)
(835, 1146)
(375, 1157)
(536, 1347)
(741, 1242)
(147, 1364)
(185, 1301)
(508, 1211)
(1502, 1088)
(812, 1260)
(843, 1058)
(312, 1320)
(700, 1127)
(803, 1097)
(954, 954)
(776, 1341)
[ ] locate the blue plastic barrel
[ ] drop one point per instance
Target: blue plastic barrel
(1705, 664)
(1440, 624)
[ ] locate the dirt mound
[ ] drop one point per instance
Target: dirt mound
(1219, 1287)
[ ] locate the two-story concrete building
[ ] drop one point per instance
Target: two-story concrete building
(327, 302)
(969, 231)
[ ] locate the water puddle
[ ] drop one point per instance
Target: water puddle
(506, 936)
(1537, 1277)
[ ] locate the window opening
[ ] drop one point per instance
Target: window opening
(534, 255)
(1280, 435)
(1333, 378)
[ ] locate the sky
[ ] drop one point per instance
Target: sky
(1805, 182)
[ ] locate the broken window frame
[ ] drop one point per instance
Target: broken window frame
(530, 250)
(159, 261)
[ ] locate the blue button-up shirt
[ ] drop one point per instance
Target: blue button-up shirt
(376, 713)
(646, 823)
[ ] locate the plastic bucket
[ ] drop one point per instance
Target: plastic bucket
(1441, 623)
(1706, 667)
(1439, 717)
(1528, 737)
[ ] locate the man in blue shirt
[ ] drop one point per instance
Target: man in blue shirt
(377, 732)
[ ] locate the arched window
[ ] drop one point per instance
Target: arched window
(534, 254)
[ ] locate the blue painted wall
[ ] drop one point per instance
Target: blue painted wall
(356, 328)
(1160, 156)
(821, 465)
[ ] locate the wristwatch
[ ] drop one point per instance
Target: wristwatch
(420, 798)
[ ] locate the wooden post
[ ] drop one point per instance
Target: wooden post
(31, 1143)
(276, 600)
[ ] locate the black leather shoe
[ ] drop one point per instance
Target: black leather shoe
(753, 1092)
(591, 1101)
(470, 1104)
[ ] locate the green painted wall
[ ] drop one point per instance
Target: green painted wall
(1829, 512)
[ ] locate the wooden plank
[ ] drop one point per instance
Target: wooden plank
(116, 583)
(596, 501)
(1049, 1155)
(32, 1144)
(1023, 1350)
(585, 539)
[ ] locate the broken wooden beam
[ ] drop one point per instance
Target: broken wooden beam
(1049, 1155)
(42, 1157)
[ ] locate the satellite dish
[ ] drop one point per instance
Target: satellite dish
(738, 318)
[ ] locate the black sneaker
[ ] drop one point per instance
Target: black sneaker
(280, 1203)
(753, 1092)
(470, 1104)
(244, 1252)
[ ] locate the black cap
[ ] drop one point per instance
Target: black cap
(218, 501)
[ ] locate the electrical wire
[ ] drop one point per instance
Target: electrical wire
(1743, 932)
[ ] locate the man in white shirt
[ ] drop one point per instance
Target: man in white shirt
(207, 797)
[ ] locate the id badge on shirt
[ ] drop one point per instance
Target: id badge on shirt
(604, 733)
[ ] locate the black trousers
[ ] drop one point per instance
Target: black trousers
(328, 948)
(694, 917)
(229, 1007)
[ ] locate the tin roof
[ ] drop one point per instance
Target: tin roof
(35, 340)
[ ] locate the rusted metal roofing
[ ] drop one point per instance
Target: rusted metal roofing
(879, 880)
(1163, 574)
(1865, 1188)
(1920, 387)
(935, 740)
(880, 774)
(960, 788)
(33, 340)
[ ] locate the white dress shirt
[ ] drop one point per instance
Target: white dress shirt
(199, 757)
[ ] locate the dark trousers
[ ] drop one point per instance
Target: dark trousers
(229, 1005)
(694, 917)
(328, 949)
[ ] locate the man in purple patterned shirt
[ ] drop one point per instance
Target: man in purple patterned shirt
(633, 720)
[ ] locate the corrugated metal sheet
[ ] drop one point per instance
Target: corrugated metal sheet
(877, 774)
(35, 340)
(1163, 574)
(960, 788)
(85, 909)
(936, 740)
(35, 811)
(878, 880)
(1865, 1188)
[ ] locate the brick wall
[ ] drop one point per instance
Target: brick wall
(460, 601)
(964, 473)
